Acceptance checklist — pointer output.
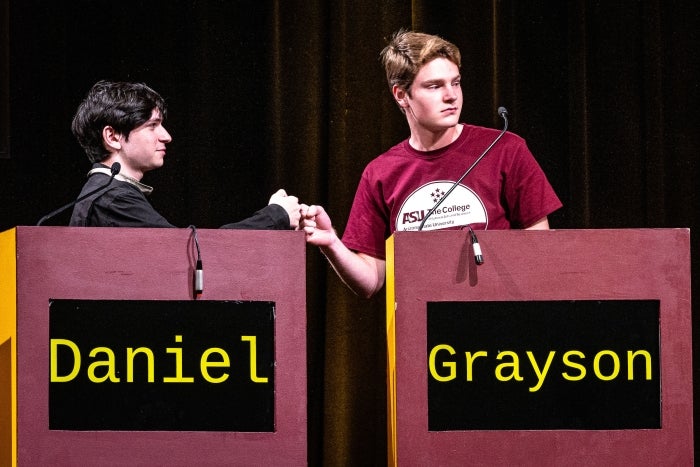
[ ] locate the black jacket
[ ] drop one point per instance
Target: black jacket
(123, 204)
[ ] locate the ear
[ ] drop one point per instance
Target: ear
(111, 139)
(400, 95)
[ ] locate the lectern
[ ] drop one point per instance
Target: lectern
(108, 357)
(565, 347)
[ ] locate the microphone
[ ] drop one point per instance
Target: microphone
(116, 167)
(198, 276)
(478, 257)
(503, 113)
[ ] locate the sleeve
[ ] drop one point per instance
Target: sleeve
(529, 193)
(368, 224)
(271, 217)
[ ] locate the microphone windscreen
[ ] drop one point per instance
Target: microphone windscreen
(116, 167)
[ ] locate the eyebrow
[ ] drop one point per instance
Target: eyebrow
(440, 80)
(156, 116)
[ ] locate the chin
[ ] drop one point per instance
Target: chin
(446, 125)
(447, 121)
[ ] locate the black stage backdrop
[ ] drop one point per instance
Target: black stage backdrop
(266, 94)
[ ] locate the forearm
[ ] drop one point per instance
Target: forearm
(271, 217)
(542, 224)
(363, 274)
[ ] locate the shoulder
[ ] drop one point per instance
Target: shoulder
(121, 195)
(391, 160)
(474, 133)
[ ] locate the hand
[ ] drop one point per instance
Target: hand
(290, 204)
(317, 225)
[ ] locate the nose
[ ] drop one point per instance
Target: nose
(165, 136)
(450, 94)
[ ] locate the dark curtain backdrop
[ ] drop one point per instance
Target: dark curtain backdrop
(265, 94)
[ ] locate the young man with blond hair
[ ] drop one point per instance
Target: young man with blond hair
(507, 189)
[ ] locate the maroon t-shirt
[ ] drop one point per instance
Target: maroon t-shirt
(507, 189)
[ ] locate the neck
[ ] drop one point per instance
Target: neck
(123, 178)
(126, 170)
(423, 139)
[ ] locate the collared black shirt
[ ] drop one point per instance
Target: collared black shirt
(123, 204)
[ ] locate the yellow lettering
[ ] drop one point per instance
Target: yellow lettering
(109, 364)
(130, 354)
(204, 363)
(449, 365)
(581, 369)
(55, 378)
(470, 362)
(541, 375)
(630, 363)
(514, 365)
(253, 360)
(616, 365)
(178, 378)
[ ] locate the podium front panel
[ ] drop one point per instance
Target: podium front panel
(142, 326)
(599, 316)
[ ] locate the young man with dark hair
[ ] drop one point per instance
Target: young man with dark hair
(120, 122)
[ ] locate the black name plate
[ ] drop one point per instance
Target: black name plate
(161, 365)
(542, 365)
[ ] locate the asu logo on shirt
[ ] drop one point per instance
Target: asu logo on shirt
(463, 207)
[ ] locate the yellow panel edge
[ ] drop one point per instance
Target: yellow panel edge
(8, 336)
(391, 352)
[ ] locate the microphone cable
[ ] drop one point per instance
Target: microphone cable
(114, 170)
(503, 113)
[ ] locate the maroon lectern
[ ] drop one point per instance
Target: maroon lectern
(52, 274)
(565, 347)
